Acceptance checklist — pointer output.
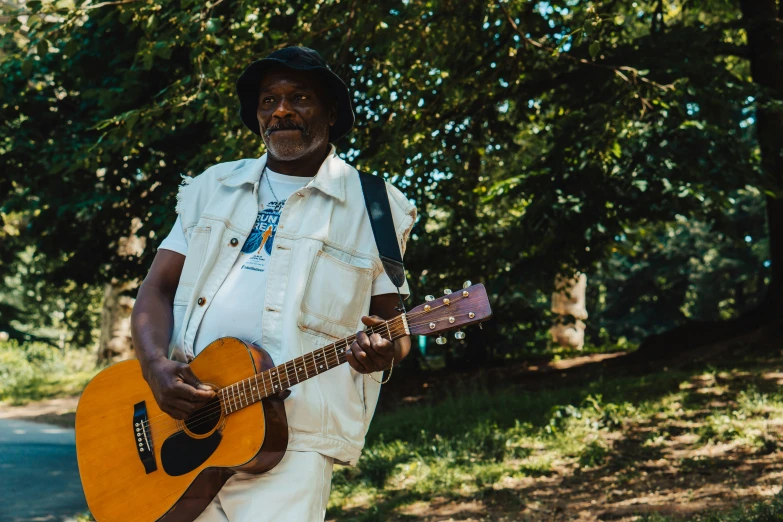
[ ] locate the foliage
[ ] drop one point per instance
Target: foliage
(36, 371)
(533, 138)
(637, 290)
(477, 444)
(36, 309)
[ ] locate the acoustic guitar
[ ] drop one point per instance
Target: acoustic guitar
(137, 463)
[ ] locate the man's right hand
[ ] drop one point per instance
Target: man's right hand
(176, 388)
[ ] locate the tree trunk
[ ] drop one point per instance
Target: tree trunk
(765, 41)
(568, 303)
(115, 341)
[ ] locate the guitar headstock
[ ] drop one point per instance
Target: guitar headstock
(464, 307)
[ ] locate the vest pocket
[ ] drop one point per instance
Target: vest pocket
(335, 295)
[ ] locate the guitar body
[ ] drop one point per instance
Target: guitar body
(137, 463)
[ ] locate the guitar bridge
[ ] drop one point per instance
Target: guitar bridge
(142, 435)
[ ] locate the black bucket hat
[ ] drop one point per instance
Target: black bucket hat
(300, 59)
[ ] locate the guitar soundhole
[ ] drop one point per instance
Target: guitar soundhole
(204, 420)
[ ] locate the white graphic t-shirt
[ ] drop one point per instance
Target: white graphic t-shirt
(238, 306)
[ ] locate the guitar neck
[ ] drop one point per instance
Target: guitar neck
(280, 378)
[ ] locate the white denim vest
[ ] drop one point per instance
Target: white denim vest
(319, 285)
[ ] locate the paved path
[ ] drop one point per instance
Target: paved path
(39, 478)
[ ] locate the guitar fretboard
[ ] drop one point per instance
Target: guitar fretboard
(280, 378)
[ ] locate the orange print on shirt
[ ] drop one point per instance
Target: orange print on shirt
(267, 233)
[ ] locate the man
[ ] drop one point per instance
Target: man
(278, 251)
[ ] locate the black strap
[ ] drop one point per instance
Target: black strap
(377, 201)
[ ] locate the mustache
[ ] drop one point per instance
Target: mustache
(286, 125)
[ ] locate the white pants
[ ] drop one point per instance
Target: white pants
(296, 490)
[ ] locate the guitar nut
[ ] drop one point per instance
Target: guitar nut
(451, 319)
(471, 315)
(432, 326)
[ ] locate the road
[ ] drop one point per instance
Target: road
(39, 478)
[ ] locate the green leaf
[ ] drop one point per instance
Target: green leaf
(42, 48)
(27, 67)
(616, 150)
(126, 15)
(71, 47)
(213, 25)
(147, 61)
(131, 120)
(164, 51)
(594, 48)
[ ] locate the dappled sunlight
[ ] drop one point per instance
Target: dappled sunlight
(671, 446)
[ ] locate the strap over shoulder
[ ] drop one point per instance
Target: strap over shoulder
(376, 200)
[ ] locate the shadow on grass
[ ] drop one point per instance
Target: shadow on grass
(663, 462)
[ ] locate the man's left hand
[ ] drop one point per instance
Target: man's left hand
(371, 353)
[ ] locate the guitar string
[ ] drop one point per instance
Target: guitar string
(310, 367)
(201, 419)
(432, 309)
(442, 319)
(256, 396)
(208, 416)
(323, 349)
(371, 329)
(233, 400)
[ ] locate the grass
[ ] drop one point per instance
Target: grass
(37, 371)
(698, 445)
(662, 442)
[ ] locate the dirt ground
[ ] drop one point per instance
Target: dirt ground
(61, 412)
(675, 477)
(722, 479)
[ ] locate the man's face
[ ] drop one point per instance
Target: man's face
(294, 114)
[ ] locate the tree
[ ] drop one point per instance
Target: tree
(531, 136)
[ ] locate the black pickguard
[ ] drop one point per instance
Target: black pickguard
(181, 454)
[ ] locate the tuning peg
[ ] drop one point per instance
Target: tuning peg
(429, 298)
(440, 340)
(447, 291)
(466, 284)
(459, 335)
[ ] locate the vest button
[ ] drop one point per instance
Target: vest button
(234, 241)
(201, 301)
